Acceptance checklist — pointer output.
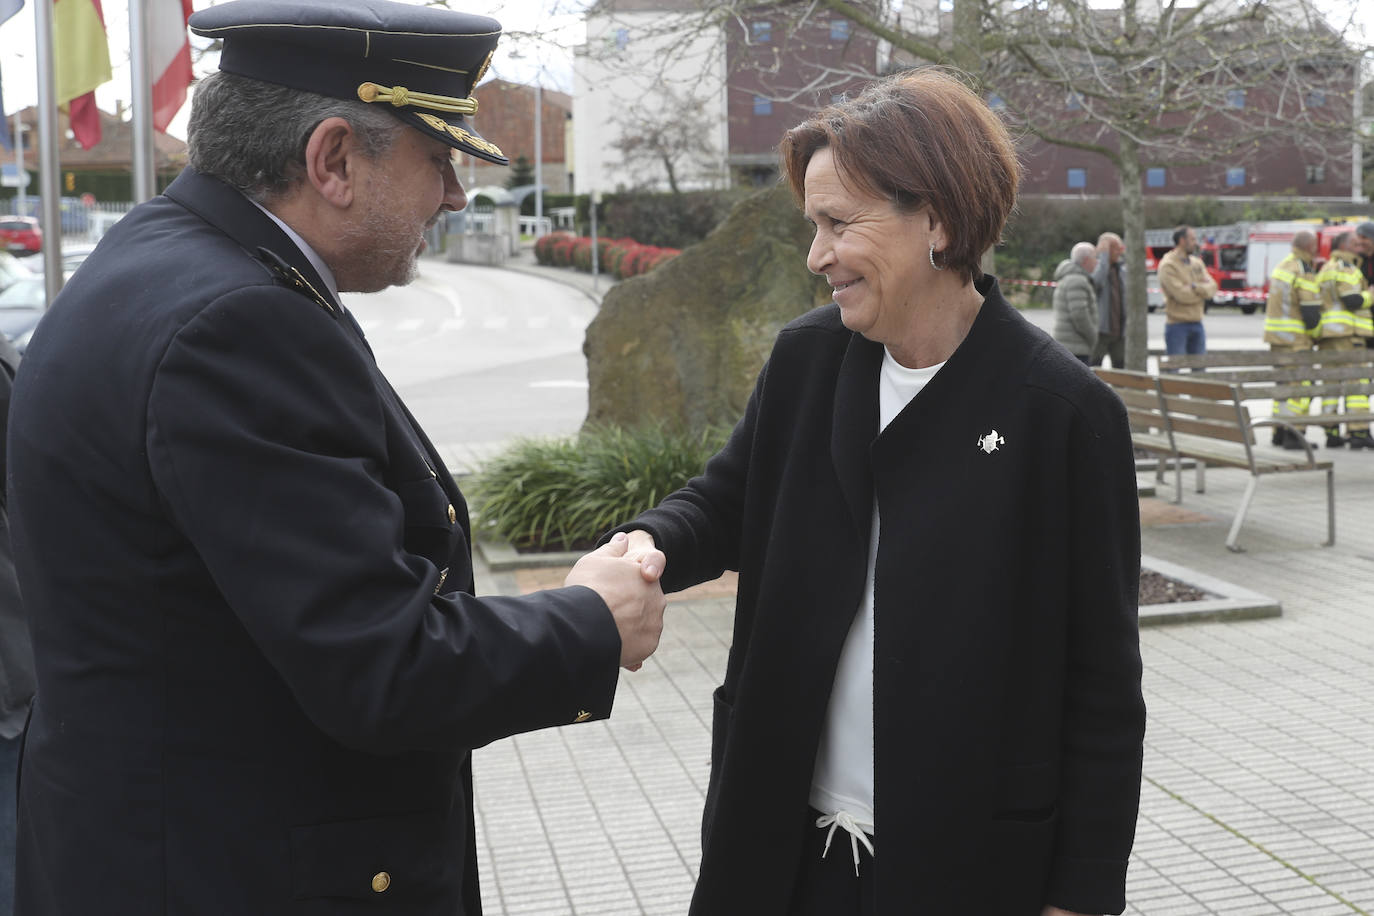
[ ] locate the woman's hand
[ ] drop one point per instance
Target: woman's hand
(644, 551)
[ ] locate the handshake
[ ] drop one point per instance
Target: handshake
(625, 572)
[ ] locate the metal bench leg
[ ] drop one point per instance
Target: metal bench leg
(1178, 479)
(1231, 544)
(1201, 475)
(1330, 507)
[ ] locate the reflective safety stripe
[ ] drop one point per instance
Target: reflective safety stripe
(1285, 325)
(1285, 275)
(1308, 286)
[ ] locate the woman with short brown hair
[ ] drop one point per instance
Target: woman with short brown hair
(932, 507)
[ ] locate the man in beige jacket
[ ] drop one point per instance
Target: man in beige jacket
(1187, 286)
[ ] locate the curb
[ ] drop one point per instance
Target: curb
(1235, 602)
(501, 557)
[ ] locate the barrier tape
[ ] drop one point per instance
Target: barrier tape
(1251, 293)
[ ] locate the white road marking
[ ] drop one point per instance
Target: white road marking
(560, 383)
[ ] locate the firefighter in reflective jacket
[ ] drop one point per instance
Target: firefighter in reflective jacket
(1345, 323)
(1292, 313)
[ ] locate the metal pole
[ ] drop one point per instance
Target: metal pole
(140, 72)
(48, 160)
(539, 157)
(20, 199)
(596, 267)
(1357, 148)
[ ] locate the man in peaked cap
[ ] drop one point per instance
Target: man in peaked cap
(260, 662)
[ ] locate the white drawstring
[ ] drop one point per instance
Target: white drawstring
(845, 821)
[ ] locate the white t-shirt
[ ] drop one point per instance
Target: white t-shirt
(843, 778)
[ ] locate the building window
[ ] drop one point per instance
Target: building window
(996, 102)
(761, 32)
(762, 105)
(622, 39)
(839, 30)
(1235, 178)
(1078, 178)
(1154, 178)
(1073, 101)
(1316, 174)
(1235, 98)
(1316, 99)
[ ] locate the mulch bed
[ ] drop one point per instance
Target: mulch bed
(1160, 589)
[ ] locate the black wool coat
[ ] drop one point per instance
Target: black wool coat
(1008, 713)
(260, 663)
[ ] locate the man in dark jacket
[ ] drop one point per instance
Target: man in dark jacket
(16, 656)
(261, 665)
(1109, 279)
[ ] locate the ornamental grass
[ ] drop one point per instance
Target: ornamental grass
(562, 494)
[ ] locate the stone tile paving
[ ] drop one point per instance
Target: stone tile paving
(1258, 793)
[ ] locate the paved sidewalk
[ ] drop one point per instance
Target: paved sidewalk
(594, 287)
(1258, 795)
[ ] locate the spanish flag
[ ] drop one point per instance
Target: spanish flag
(82, 58)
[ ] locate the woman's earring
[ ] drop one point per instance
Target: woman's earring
(932, 257)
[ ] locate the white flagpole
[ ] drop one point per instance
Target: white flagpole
(140, 68)
(48, 160)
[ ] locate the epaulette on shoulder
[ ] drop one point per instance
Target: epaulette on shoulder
(290, 276)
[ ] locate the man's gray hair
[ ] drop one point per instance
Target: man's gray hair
(1082, 252)
(252, 135)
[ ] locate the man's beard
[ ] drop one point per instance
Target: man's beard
(384, 250)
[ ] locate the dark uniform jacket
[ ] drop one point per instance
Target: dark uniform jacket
(1008, 715)
(260, 664)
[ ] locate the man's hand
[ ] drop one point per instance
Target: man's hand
(1056, 911)
(635, 599)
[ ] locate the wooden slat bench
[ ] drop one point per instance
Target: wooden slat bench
(1187, 416)
(1277, 375)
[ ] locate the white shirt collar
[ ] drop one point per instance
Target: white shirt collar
(315, 260)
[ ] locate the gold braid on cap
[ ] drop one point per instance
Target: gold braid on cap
(460, 135)
(400, 96)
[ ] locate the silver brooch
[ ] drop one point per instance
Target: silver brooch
(989, 443)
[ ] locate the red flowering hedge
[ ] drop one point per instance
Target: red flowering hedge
(543, 246)
(619, 257)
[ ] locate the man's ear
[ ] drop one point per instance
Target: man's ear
(331, 161)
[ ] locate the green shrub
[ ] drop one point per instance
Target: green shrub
(564, 493)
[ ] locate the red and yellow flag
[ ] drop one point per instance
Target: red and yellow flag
(81, 57)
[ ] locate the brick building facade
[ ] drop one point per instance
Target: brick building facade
(505, 116)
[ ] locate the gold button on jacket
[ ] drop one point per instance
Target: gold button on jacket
(381, 881)
(452, 514)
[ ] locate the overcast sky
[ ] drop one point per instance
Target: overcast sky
(549, 60)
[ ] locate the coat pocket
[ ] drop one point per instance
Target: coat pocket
(722, 716)
(403, 857)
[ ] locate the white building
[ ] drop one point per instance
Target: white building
(644, 59)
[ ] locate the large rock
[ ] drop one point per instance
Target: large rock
(684, 343)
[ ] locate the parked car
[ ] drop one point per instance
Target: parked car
(73, 256)
(21, 234)
(22, 303)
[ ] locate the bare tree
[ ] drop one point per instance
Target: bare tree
(648, 139)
